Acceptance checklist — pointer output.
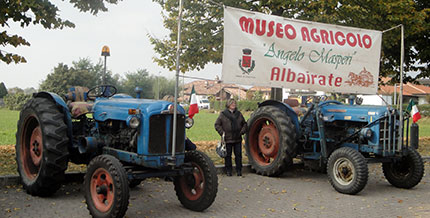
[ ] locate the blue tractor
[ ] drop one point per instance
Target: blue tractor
(335, 138)
(123, 140)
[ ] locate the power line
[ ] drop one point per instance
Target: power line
(193, 77)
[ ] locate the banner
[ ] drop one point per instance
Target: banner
(273, 51)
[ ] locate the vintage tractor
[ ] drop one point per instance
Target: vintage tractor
(123, 140)
(334, 138)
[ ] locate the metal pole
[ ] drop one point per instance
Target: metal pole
(401, 88)
(175, 106)
(104, 73)
(395, 95)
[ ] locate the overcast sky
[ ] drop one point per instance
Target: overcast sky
(123, 28)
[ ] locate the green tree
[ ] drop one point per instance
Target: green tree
(44, 13)
(16, 101)
(29, 91)
(3, 90)
(82, 73)
(202, 28)
(163, 86)
(141, 79)
(15, 90)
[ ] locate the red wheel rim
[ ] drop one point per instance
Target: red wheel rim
(31, 147)
(264, 141)
(36, 146)
(193, 184)
(102, 190)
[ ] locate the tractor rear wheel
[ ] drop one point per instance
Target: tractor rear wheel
(347, 170)
(405, 173)
(106, 187)
(41, 147)
(197, 191)
(271, 141)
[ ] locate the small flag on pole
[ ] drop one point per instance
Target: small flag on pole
(413, 110)
(193, 104)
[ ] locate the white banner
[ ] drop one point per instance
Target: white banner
(273, 51)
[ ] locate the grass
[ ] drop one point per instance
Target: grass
(203, 129)
(424, 124)
(202, 133)
(8, 120)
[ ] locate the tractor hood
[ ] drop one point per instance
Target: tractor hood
(356, 113)
(117, 108)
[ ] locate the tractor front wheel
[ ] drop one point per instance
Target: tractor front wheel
(41, 147)
(405, 173)
(197, 191)
(347, 170)
(106, 187)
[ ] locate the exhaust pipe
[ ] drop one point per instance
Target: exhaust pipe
(88, 144)
(414, 135)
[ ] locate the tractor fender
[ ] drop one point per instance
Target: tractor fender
(61, 104)
(287, 108)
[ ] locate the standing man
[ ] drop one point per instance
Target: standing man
(231, 123)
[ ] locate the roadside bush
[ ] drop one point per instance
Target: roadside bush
(247, 105)
(424, 109)
(243, 105)
(16, 101)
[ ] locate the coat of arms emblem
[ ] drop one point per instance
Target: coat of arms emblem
(246, 64)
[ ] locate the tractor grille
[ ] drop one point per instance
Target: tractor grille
(180, 134)
(389, 134)
(158, 133)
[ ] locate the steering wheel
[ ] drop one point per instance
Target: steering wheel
(329, 102)
(105, 91)
(323, 98)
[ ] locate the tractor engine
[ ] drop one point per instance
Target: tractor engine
(116, 134)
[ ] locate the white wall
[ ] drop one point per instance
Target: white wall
(376, 100)
(422, 100)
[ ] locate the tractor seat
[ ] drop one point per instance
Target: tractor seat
(295, 105)
(77, 101)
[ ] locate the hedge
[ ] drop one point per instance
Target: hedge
(16, 101)
(244, 105)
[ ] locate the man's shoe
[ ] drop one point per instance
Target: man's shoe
(229, 173)
(239, 173)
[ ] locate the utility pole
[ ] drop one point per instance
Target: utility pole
(175, 105)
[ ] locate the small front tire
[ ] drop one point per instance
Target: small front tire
(197, 191)
(405, 173)
(347, 170)
(106, 187)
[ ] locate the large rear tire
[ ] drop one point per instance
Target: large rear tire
(41, 147)
(197, 191)
(347, 170)
(406, 173)
(270, 141)
(106, 187)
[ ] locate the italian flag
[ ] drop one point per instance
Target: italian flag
(194, 108)
(413, 110)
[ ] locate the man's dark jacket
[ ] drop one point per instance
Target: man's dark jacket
(232, 124)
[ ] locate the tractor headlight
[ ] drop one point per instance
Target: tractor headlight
(134, 122)
(366, 133)
(189, 122)
(171, 108)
